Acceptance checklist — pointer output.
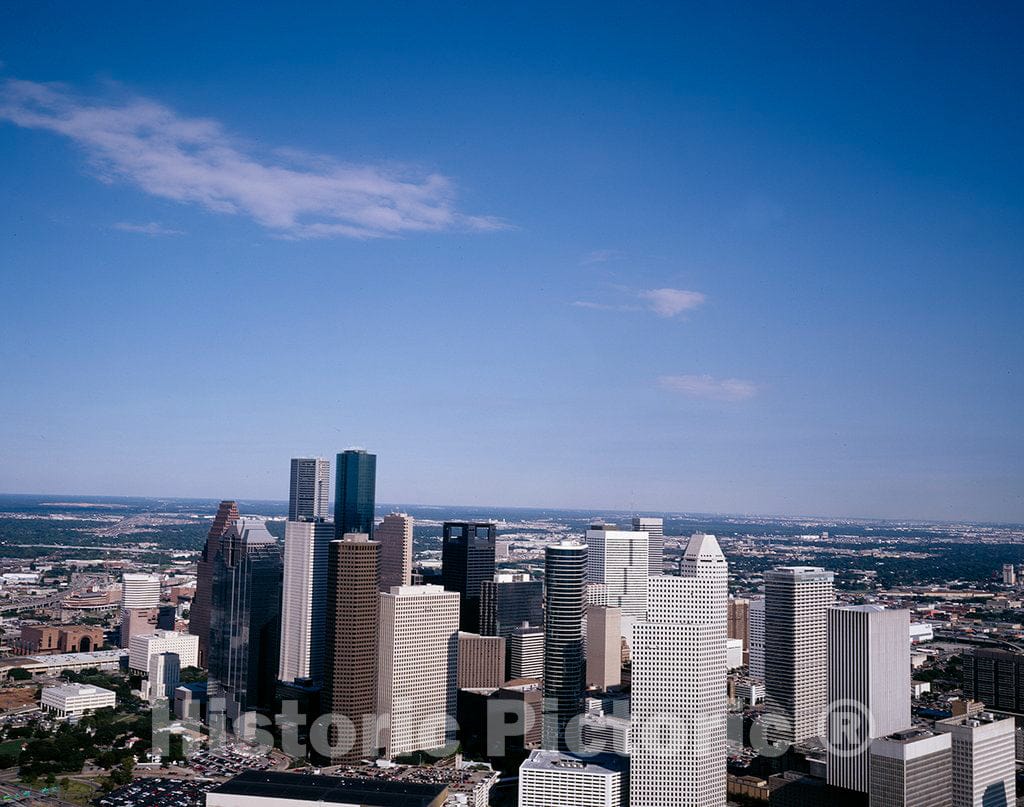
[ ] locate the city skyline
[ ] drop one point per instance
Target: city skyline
(680, 259)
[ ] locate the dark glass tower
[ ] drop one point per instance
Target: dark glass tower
(199, 614)
(509, 600)
(565, 580)
(245, 620)
(355, 488)
(467, 561)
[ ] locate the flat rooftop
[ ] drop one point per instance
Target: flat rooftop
(601, 764)
(331, 789)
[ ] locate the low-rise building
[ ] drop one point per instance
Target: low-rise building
(75, 700)
(549, 777)
(144, 646)
(273, 789)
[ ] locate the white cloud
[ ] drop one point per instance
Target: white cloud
(152, 228)
(669, 302)
(709, 388)
(194, 160)
(600, 256)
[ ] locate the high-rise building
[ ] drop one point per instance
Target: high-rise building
(755, 637)
(355, 492)
(309, 489)
(655, 529)
(995, 677)
(868, 687)
(467, 561)
(739, 624)
(163, 676)
(144, 647)
(140, 590)
(304, 600)
(395, 536)
(138, 621)
(350, 652)
(797, 599)
(509, 600)
(481, 661)
(565, 575)
(678, 740)
(418, 656)
(1009, 574)
(526, 653)
(911, 768)
(984, 767)
(199, 613)
(548, 778)
(620, 560)
(604, 646)
(245, 621)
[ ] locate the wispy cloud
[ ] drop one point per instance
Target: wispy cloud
(600, 256)
(152, 228)
(669, 302)
(195, 160)
(709, 388)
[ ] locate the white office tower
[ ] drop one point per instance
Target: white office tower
(140, 590)
(164, 675)
(868, 687)
(418, 667)
(309, 489)
(550, 778)
(755, 634)
(304, 599)
(655, 529)
(796, 603)
(144, 646)
(619, 560)
(526, 652)
(912, 768)
(678, 738)
(1009, 575)
(394, 534)
(983, 759)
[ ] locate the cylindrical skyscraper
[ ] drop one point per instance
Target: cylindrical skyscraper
(565, 575)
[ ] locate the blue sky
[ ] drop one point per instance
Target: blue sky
(619, 257)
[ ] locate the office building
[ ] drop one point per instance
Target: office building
(1009, 574)
(601, 732)
(868, 687)
(995, 677)
(467, 561)
(755, 637)
(984, 767)
(548, 778)
(199, 613)
(526, 653)
(739, 624)
(678, 739)
(655, 529)
(355, 491)
(279, 789)
(163, 677)
(481, 661)
(604, 647)
(304, 600)
(351, 627)
(75, 700)
(140, 590)
(565, 574)
(245, 622)
(911, 768)
(797, 599)
(309, 489)
(145, 646)
(394, 534)
(509, 600)
(417, 679)
(619, 560)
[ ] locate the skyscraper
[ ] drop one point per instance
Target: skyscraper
(620, 560)
(678, 734)
(739, 624)
(309, 489)
(304, 599)
(417, 679)
(467, 560)
(526, 652)
(655, 529)
(199, 613)
(565, 574)
(984, 767)
(868, 687)
(481, 662)
(350, 676)
(509, 600)
(140, 590)
(911, 768)
(604, 646)
(755, 635)
(797, 599)
(395, 536)
(245, 621)
(355, 487)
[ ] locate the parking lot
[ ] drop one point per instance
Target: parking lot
(158, 793)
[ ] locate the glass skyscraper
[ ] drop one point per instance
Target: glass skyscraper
(467, 561)
(355, 492)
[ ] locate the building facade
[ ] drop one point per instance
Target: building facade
(481, 662)
(984, 766)
(304, 600)
(604, 647)
(355, 492)
(509, 600)
(755, 637)
(199, 613)
(911, 768)
(565, 574)
(655, 529)
(526, 653)
(309, 488)
(548, 778)
(467, 561)
(395, 534)
(145, 646)
(619, 559)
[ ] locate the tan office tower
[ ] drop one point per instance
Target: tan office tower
(395, 536)
(481, 661)
(604, 647)
(199, 613)
(984, 747)
(417, 676)
(350, 654)
(739, 624)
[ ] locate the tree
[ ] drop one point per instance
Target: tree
(19, 674)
